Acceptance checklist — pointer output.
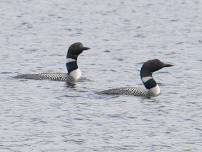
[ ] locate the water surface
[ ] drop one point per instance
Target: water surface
(43, 116)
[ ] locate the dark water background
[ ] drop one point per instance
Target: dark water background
(48, 116)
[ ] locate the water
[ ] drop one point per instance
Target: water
(43, 116)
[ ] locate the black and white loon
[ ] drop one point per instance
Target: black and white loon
(152, 88)
(74, 72)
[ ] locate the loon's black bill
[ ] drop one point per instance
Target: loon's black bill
(167, 65)
(85, 48)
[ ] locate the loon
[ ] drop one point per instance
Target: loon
(152, 88)
(74, 72)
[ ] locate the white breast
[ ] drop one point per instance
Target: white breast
(76, 74)
(155, 91)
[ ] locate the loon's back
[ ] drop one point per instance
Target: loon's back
(48, 76)
(126, 91)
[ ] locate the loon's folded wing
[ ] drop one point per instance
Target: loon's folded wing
(47, 76)
(126, 91)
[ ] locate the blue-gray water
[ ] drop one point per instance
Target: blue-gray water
(48, 116)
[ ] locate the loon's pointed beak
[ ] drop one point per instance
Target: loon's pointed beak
(167, 65)
(85, 48)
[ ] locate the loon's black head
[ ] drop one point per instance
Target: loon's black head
(151, 66)
(75, 50)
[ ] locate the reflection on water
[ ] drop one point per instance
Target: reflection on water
(55, 116)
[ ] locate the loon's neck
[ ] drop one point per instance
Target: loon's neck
(151, 85)
(73, 69)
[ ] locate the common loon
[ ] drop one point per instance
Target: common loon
(152, 88)
(74, 72)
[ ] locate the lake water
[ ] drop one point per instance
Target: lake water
(49, 116)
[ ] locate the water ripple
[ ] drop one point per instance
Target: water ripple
(55, 116)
